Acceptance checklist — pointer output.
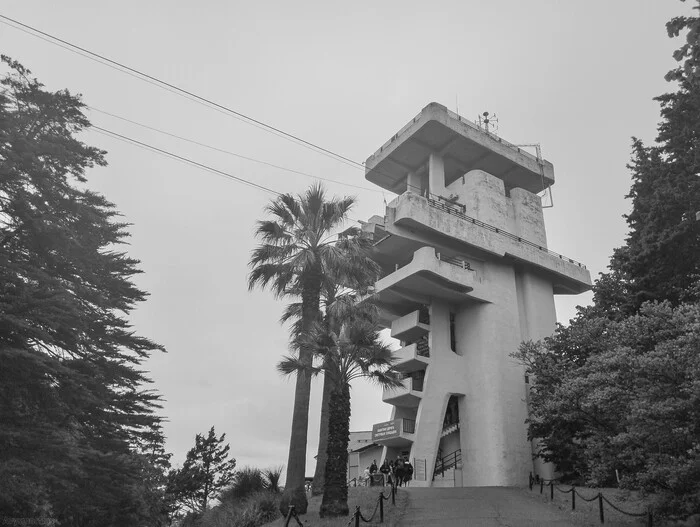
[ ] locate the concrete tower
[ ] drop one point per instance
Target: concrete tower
(467, 277)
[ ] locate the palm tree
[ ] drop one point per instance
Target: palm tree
(346, 352)
(338, 295)
(298, 249)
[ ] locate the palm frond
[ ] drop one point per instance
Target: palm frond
(289, 365)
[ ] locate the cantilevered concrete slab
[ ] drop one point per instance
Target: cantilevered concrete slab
(463, 147)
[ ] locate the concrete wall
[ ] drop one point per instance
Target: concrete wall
(528, 216)
(484, 197)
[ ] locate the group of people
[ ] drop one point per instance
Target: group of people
(397, 473)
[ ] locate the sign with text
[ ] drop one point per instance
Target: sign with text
(386, 430)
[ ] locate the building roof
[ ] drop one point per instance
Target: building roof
(463, 145)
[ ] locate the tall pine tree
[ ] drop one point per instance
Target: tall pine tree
(661, 259)
(73, 401)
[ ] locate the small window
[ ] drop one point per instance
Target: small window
(453, 339)
(527, 379)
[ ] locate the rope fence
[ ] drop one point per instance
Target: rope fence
(648, 514)
(357, 516)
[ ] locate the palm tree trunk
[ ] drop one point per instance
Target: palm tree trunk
(294, 489)
(335, 492)
(322, 456)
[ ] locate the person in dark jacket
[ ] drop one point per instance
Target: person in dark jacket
(384, 469)
(373, 467)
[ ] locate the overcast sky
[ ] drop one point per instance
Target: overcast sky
(577, 77)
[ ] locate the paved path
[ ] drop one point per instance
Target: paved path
(479, 507)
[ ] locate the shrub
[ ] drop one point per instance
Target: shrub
(272, 478)
(246, 481)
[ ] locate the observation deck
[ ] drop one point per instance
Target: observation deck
(464, 147)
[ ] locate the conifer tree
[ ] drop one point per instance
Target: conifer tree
(73, 402)
(661, 259)
(207, 471)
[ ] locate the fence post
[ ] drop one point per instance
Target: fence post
(357, 516)
(551, 490)
(650, 517)
(541, 485)
(381, 507)
(573, 498)
(393, 494)
(289, 515)
(600, 506)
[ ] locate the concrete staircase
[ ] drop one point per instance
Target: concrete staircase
(446, 480)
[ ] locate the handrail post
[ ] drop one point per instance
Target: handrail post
(650, 517)
(357, 516)
(381, 507)
(551, 490)
(573, 498)
(393, 493)
(541, 485)
(600, 507)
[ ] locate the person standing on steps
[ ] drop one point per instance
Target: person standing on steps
(385, 470)
(407, 472)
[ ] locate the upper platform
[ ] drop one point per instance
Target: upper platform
(464, 147)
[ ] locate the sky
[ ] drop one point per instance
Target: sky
(577, 77)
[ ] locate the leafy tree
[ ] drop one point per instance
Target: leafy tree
(345, 351)
(73, 405)
(630, 408)
(299, 249)
(616, 392)
(207, 471)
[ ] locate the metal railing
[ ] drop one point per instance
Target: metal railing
(422, 347)
(457, 262)
(648, 514)
(457, 211)
(447, 462)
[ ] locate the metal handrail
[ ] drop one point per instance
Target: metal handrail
(447, 462)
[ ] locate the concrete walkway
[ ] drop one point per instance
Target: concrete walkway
(479, 507)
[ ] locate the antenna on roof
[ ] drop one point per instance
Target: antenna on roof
(488, 121)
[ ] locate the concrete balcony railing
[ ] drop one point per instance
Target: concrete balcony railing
(394, 433)
(410, 394)
(413, 357)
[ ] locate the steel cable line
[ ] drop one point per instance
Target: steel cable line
(192, 162)
(228, 152)
(182, 91)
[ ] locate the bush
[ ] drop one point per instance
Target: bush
(257, 509)
(246, 481)
(272, 478)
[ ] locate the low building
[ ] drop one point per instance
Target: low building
(361, 452)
